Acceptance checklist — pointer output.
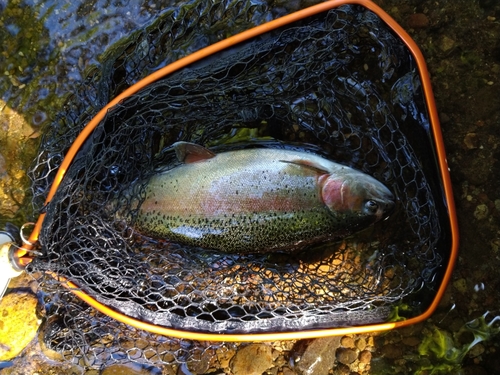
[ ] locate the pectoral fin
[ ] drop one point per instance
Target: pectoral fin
(190, 152)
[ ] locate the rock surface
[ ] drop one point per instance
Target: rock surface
(253, 359)
(18, 323)
(318, 355)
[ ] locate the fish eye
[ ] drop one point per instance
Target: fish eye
(371, 206)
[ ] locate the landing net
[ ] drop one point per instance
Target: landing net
(340, 84)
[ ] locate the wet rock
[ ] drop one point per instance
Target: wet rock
(130, 369)
(347, 342)
(481, 212)
(471, 141)
(392, 351)
(346, 356)
(253, 359)
(32, 362)
(317, 356)
(418, 21)
(460, 285)
(13, 143)
(411, 341)
(341, 369)
(365, 356)
(446, 44)
(199, 365)
(18, 323)
(476, 350)
(361, 344)
(287, 371)
(224, 356)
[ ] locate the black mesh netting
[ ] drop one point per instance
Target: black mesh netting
(340, 84)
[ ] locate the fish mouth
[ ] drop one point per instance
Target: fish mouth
(385, 201)
(387, 207)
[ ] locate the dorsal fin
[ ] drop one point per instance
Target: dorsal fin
(187, 152)
(307, 164)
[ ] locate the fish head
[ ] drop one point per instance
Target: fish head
(356, 193)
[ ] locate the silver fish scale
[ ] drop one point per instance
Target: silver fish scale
(249, 233)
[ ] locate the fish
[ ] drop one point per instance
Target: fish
(258, 200)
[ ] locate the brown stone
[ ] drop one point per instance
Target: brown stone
(392, 351)
(346, 356)
(471, 141)
(411, 341)
(418, 21)
(347, 342)
(253, 359)
(288, 371)
(19, 323)
(365, 356)
(361, 344)
(317, 356)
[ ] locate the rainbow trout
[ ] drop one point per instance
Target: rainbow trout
(259, 200)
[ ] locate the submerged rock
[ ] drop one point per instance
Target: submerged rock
(418, 21)
(18, 323)
(346, 356)
(318, 355)
(253, 359)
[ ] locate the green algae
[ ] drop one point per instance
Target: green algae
(397, 313)
(27, 53)
(444, 349)
(25, 59)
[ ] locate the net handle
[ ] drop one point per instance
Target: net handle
(217, 47)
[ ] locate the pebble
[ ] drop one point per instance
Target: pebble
(481, 212)
(476, 350)
(287, 371)
(460, 285)
(225, 355)
(471, 141)
(342, 369)
(346, 356)
(361, 344)
(411, 341)
(347, 342)
(446, 44)
(418, 21)
(318, 355)
(392, 351)
(253, 359)
(18, 323)
(365, 356)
